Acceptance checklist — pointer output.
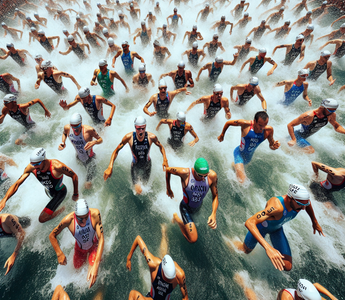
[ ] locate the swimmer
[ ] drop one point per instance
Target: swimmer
(304, 20)
(322, 10)
(204, 13)
(47, 41)
(317, 67)
(195, 184)
(222, 2)
(53, 78)
(63, 17)
(33, 34)
(127, 58)
(281, 32)
(164, 273)
(308, 36)
(140, 142)
(93, 105)
(99, 28)
(112, 25)
(245, 92)
(277, 212)
(311, 122)
(213, 46)
(51, 11)
(214, 69)
(253, 133)
(221, 25)
(194, 55)
(104, 10)
(82, 138)
(293, 88)
(122, 23)
(299, 7)
(75, 34)
(274, 18)
(339, 51)
(305, 291)
(159, 53)
(134, 12)
(181, 77)
(242, 23)
(12, 226)
(257, 62)
(112, 48)
(59, 292)
(80, 23)
(151, 19)
(336, 34)
(6, 84)
(30, 23)
(238, 9)
(293, 50)
(337, 20)
(20, 113)
(243, 50)
(157, 9)
(101, 19)
(92, 37)
(49, 172)
(85, 225)
(213, 103)
(166, 34)
(277, 7)
(39, 60)
(18, 55)
(105, 78)
(18, 13)
(178, 130)
(174, 19)
(141, 80)
(12, 32)
(144, 33)
(40, 19)
(259, 30)
(5, 180)
(162, 100)
(193, 36)
(77, 48)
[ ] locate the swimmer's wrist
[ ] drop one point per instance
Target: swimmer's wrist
(75, 194)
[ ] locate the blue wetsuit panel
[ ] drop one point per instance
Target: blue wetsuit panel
(292, 94)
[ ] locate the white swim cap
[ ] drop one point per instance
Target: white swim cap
(75, 119)
(254, 81)
(143, 23)
(246, 14)
(282, 8)
(33, 29)
(81, 207)
(84, 92)
(248, 40)
(41, 32)
(300, 37)
(310, 27)
(215, 35)
(39, 154)
(287, 22)
(195, 44)
(342, 25)
(111, 41)
(70, 38)
(28, 18)
(139, 121)
(3, 24)
(217, 88)
(59, 11)
(86, 29)
(98, 4)
(156, 42)
(98, 14)
(324, 3)
(262, 50)
(96, 23)
(309, 12)
(77, 17)
(207, 5)
(120, 12)
(124, 42)
(142, 67)
(303, 72)
(298, 192)
(102, 62)
(36, 14)
(325, 53)
(165, 25)
(37, 56)
(175, 8)
(195, 27)
(64, 30)
(47, 64)
(222, 18)
(46, 5)
(16, 9)
(181, 116)
(181, 64)
(9, 45)
(162, 83)
(150, 12)
(219, 59)
(111, 19)
(307, 291)
(168, 267)
(105, 31)
(330, 103)
(9, 98)
(131, 5)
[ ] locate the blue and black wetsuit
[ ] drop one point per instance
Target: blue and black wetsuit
(215, 72)
(317, 71)
(141, 163)
(162, 106)
(176, 136)
(127, 62)
(95, 114)
(292, 94)
(160, 289)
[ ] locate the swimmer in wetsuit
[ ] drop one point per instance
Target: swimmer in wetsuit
(49, 172)
(259, 30)
(243, 50)
(339, 50)
(159, 53)
(12, 32)
(204, 13)
(5, 180)
(253, 134)
(270, 220)
(195, 183)
(92, 37)
(105, 78)
(311, 122)
(242, 23)
(6, 84)
(47, 41)
(19, 56)
(144, 33)
(193, 36)
(221, 25)
(127, 58)
(12, 226)
(181, 77)
(293, 88)
(77, 48)
(166, 34)
(165, 274)
(141, 80)
(317, 67)
(194, 55)
(281, 32)
(257, 62)
(85, 224)
(307, 19)
(336, 34)
(308, 36)
(213, 103)
(213, 46)
(293, 50)
(245, 92)
(238, 9)
(174, 19)
(178, 130)
(140, 142)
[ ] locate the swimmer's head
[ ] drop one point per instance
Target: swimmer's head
(9, 98)
(310, 27)
(142, 68)
(299, 37)
(70, 38)
(10, 45)
(111, 41)
(223, 18)
(342, 25)
(143, 23)
(84, 92)
(181, 116)
(125, 44)
(37, 156)
(75, 119)
(261, 115)
(263, 21)
(307, 291)
(262, 52)
(3, 24)
(81, 207)
(162, 84)
(298, 192)
(201, 166)
(120, 13)
(105, 31)
(33, 29)
(96, 23)
(325, 54)
(111, 19)
(217, 88)
(150, 12)
(246, 14)
(207, 5)
(98, 15)
(175, 9)
(103, 62)
(156, 43)
(330, 104)
(219, 59)
(287, 22)
(28, 18)
(98, 4)
(86, 29)
(282, 8)
(168, 267)
(36, 14)
(181, 64)
(41, 32)
(309, 12)
(254, 81)
(215, 36)
(195, 45)
(38, 56)
(324, 3)
(24, 222)
(47, 64)
(195, 27)
(77, 17)
(303, 73)
(140, 125)
(165, 25)
(16, 9)
(64, 30)
(248, 40)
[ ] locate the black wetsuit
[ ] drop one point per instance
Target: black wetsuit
(337, 35)
(176, 135)
(92, 41)
(242, 54)
(258, 34)
(215, 72)
(79, 52)
(308, 130)
(317, 71)
(160, 289)
(46, 45)
(165, 37)
(95, 114)
(340, 51)
(24, 120)
(141, 164)
(212, 110)
(144, 38)
(245, 97)
(143, 82)
(257, 65)
(275, 19)
(55, 86)
(180, 81)
(17, 58)
(159, 57)
(192, 38)
(162, 106)
(193, 58)
(281, 33)
(292, 55)
(221, 28)
(212, 49)
(4, 86)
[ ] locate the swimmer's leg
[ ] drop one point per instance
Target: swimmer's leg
(240, 173)
(280, 242)
(250, 294)
(50, 212)
(44, 216)
(79, 257)
(20, 142)
(163, 249)
(304, 145)
(242, 247)
(307, 150)
(188, 230)
(135, 295)
(250, 241)
(60, 294)
(134, 173)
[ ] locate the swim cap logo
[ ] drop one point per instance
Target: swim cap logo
(293, 188)
(164, 261)
(40, 152)
(301, 286)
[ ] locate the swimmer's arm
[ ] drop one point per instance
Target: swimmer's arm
(278, 47)
(67, 51)
(212, 222)
(183, 173)
(66, 106)
(117, 76)
(329, 73)
(6, 55)
(273, 144)
(225, 104)
(255, 28)
(100, 37)
(193, 133)
(135, 54)
(60, 294)
(231, 123)
(150, 79)
(323, 167)
(185, 36)
(198, 15)
(324, 291)
(330, 42)
(171, 74)
(26, 105)
(337, 127)
(305, 93)
(249, 60)
(301, 119)
(181, 279)
(199, 101)
(113, 107)
(155, 140)
(135, 37)
(272, 30)
(263, 101)
(272, 62)
(4, 112)
(281, 83)
(64, 74)
(221, 47)
(64, 137)
(205, 67)
(181, 19)
(169, 54)
(63, 169)
(321, 37)
(93, 80)
(232, 89)
(231, 63)
(342, 17)
(8, 160)
(148, 104)
(163, 121)
(174, 93)
(54, 38)
(302, 54)
(174, 37)
(316, 226)
(269, 15)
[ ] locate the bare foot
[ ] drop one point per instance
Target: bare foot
(138, 189)
(88, 185)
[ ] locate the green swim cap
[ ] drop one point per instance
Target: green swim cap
(201, 166)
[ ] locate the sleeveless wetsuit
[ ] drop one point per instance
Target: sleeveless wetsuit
(162, 106)
(46, 45)
(244, 23)
(3, 233)
(133, 15)
(114, 27)
(242, 54)
(317, 12)
(165, 37)
(192, 38)
(238, 12)
(317, 71)
(244, 152)
(212, 49)
(193, 58)
(160, 289)
(79, 52)
(95, 114)
(144, 38)
(307, 38)
(6, 87)
(176, 135)
(275, 19)
(54, 187)
(204, 15)
(212, 110)
(65, 20)
(180, 81)
(245, 97)
(57, 87)
(341, 51)
(292, 55)
(281, 33)
(17, 58)
(338, 35)
(292, 94)
(258, 34)
(215, 72)
(141, 163)
(127, 62)
(92, 41)
(143, 82)
(257, 65)
(174, 21)
(159, 57)
(275, 229)
(25, 120)
(105, 83)
(221, 28)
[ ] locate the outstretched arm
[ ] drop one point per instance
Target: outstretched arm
(161, 148)
(212, 222)
(324, 291)
(64, 74)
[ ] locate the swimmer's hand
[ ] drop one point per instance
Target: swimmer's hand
(276, 258)
(10, 262)
(62, 146)
(331, 83)
(270, 72)
(192, 143)
(37, 86)
(92, 275)
(151, 114)
(317, 227)
(170, 193)
(75, 197)
(212, 221)
(221, 137)
(188, 93)
(113, 66)
(107, 122)
(107, 173)
(197, 79)
(292, 143)
(129, 265)
(165, 164)
(275, 145)
(62, 259)
(93, 83)
(89, 145)
(63, 104)
(310, 103)
(127, 90)
(47, 113)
